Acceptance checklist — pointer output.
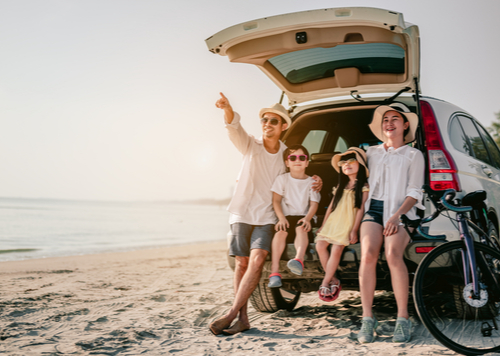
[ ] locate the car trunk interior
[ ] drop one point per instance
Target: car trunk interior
(329, 131)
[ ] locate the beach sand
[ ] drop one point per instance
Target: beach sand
(160, 301)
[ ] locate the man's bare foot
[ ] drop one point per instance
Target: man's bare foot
(218, 325)
(238, 327)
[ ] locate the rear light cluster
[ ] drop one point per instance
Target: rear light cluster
(442, 169)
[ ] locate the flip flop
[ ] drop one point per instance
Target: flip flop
(325, 298)
(296, 266)
(335, 294)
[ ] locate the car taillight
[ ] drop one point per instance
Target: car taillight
(426, 249)
(442, 169)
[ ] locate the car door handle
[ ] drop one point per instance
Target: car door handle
(486, 170)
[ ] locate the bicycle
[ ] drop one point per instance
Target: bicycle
(456, 288)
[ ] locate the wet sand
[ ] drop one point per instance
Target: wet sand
(160, 301)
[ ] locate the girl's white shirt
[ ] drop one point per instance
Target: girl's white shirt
(394, 175)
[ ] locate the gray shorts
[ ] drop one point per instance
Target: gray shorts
(247, 237)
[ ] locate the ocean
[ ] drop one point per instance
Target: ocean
(39, 228)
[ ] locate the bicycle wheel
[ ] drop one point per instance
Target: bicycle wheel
(463, 324)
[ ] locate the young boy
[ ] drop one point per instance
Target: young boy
(295, 204)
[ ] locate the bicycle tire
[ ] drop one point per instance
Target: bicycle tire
(448, 316)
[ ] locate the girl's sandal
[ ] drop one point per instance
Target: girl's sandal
(322, 291)
(335, 292)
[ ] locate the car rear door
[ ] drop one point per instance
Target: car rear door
(327, 53)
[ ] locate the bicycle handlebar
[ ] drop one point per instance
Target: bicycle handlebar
(441, 203)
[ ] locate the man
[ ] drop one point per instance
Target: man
(252, 217)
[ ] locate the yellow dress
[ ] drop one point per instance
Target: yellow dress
(340, 222)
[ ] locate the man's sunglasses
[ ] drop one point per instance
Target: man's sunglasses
(293, 158)
(349, 161)
(272, 121)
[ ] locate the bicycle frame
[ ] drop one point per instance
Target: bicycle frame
(469, 256)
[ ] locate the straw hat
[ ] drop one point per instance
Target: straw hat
(360, 157)
(277, 109)
(376, 124)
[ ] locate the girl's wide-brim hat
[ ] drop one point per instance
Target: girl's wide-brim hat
(378, 115)
(360, 157)
(277, 109)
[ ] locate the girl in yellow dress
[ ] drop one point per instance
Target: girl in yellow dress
(343, 217)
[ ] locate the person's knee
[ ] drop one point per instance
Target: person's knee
(369, 257)
(337, 250)
(321, 246)
(393, 257)
(281, 235)
(241, 262)
(257, 258)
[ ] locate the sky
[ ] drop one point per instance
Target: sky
(114, 99)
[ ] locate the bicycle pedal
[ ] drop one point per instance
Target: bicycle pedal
(486, 329)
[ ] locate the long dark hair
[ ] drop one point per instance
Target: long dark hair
(343, 180)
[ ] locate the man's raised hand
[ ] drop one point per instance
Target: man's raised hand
(223, 102)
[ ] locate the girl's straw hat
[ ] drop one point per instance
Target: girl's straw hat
(360, 157)
(376, 124)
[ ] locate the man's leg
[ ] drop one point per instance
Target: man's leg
(246, 287)
(239, 247)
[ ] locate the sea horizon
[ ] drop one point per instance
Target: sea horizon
(39, 227)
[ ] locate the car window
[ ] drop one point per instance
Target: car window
(341, 145)
(491, 147)
(475, 140)
(316, 63)
(458, 138)
(314, 141)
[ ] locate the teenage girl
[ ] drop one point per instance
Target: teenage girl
(343, 217)
(396, 179)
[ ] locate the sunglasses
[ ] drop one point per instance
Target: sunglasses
(349, 161)
(272, 121)
(293, 158)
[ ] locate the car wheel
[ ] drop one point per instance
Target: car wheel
(270, 300)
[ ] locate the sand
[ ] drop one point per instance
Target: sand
(160, 301)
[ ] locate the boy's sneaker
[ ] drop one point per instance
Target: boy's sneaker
(402, 332)
(296, 266)
(367, 332)
(274, 280)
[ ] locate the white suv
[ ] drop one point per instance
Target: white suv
(335, 66)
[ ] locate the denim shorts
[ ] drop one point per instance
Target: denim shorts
(375, 213)
(247, 237)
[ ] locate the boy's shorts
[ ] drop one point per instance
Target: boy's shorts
(247, 237)
(292, 220)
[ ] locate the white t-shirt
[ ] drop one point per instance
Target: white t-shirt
(296, 194)
(252, 200)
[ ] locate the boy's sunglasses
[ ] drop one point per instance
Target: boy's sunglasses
(349, 161)
(293, 158)
(272, 121)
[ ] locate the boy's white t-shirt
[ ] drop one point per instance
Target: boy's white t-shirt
(296, 194)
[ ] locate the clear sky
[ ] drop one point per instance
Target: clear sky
(114, 99)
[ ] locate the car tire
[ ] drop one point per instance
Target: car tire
(270, 300)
